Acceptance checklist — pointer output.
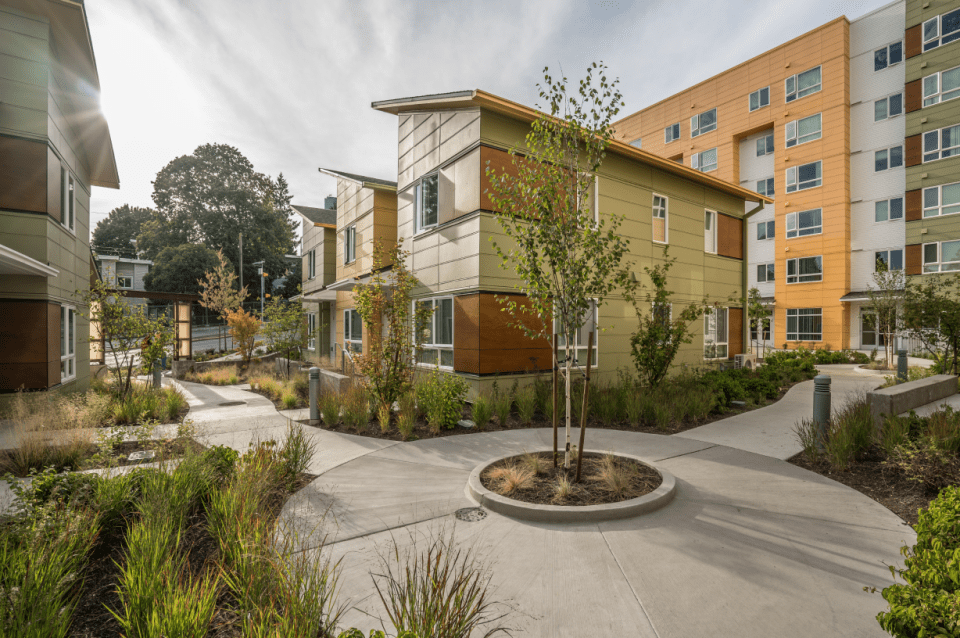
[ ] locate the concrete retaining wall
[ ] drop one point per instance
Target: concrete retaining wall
(179, 369)
(907, 396)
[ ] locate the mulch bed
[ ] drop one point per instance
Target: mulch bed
(591, 490)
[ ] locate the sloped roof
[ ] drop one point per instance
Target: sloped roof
(372, 182)
(316, 215)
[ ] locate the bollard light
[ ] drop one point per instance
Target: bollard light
(314, 375)
(821, 407)
(902, 366)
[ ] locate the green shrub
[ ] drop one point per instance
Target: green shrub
(482, 411)
(295, 454)
(407, 418)
(894, 431)
(607, 403)
(850, 433)
(633, 408)
(922, 461)
(289, 399)
(330, 404)
(441, 398)
(943, 429)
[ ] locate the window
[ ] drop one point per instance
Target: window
(659, 219)
(705, 161)
(765, 273)
(68, 199)
(802, 84)
(888, 158)
(312, 259)
(804, 270)
(68, 343)
(804, 324)
(941, 256)
(124, 281)
(709, 231)
(349, 244)
(890, 106)
(715, 334)
(941, 87)
(891, 259)
(311, 331)
(426, 196)
(941, 200)
(352, 331)
(941, 144)
(436, 333)
(765, 187)
(888, 209)
(766, 330)
(941, 30)
(766, 230)
(802, 131)
(805, 176)
(637, 142)
(703, 123)
(805, 222)
(760, 99)
(888, 56)
(765, 145)
(590, 320)
(671, 133)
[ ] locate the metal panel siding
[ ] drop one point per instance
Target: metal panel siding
(912, 259)
(877, 28)
(23, 175)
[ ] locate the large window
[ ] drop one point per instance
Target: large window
(765, 273)
(805, 222)
(885, 159)
(311, 331)
(352, 331)
(436, 333)
(802, 84)
(804, 324)
(941, 200)
(582, 340)
(349, 244)
(765, 145)
(941, 87)
(760, 98)
(888, 209)
(709, 231)
(715, 334)
(805, 176)
(705, 161)
(941, 30)
(426, 202)
(943, 256)
(765, 187)
(803, 270)
(766, 230)
(941, 144)
(671, 133)
(68, 343)
(659, 219)
(890, 106)
(888, 56)
(703, 123)
(312, 259)
(802, 131)
(891, 259)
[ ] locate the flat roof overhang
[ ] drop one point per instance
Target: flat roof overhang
(16, 263)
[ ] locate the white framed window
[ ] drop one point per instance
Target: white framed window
(710, 231)
(888, 56)
(68, 204)
(671, 133)
(888, 209)
(582, 340)
(426, 202)
(803, 270)
(941, 200)
(703, 123)
(311, 331)
(124, 281)
(312, 258)
(805, 222)
(943, 256)
(637, 142)
(941, 30)
(352, 331)
(349, 244)
(804, 130)
(760, 98)
(436, 333)
(800, 178)
(715, 334)
(941, 86)
(660, 229)
(766, 230)
(765, 187)
(888, 158)
(68, 343)
(766, 329)
(765, 273)
(705, 161)
(941, 144)
(804, 324)
(765, 145)
(887, 107)
(802, 84)
(892, 259)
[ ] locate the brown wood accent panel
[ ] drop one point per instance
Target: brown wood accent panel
(734, 331)
(25, 353)
(913, 41)
(500, 162)
(913, 150)
(914, 259)
(53, 344)
(912, 96)
(913, 205)
(54, 184)
(485, 344)
(23, 175)
(729, 236)
(466, 333)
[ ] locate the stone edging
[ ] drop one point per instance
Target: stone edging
(566, 513)
(876, 373)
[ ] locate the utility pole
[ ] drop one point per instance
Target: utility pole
(241, 266)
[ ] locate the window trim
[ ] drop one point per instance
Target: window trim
(938, 95)
(311, 331)
(889, 152)
(759, 94)
(696, 131)
(889, 252)
(418, 191)
(766, 228)
(796, 177)
(889, 202)
(940, 150)
(939, 207)
(711, 215)
(888, 64)
(312, 264)
(796, 276)
(717, 343)
(796, 217)
(796, 316)
(68, 343)
(350, 244)
(696, 160)
(666, 218)
(886, 100)
(433, 331)
(670, 128)
(796, 83)
(767, 181)
(939, 263)
(349, 343)
(68, 200)
(796, 132)
(939, 36)
(120, 284)
(769, 272)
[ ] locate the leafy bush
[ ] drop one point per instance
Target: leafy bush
(441, 397)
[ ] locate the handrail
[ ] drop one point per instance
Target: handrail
(345, 355)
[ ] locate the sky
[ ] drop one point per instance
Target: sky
(290, 82)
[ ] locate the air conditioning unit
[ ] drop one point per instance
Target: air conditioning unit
(746, 361)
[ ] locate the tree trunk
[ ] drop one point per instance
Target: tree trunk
(566, 452)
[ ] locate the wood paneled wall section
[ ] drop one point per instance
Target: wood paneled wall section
(29, 344)
(734, 331)
(53, 344)
(913, 259)
(913, 150)
(500, 162)
(485, 344)
(913, 205)
(912, 96)
(913, 41)
(729, 236)
(23, 175)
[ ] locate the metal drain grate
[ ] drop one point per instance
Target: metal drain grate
(471, 514)
(226, 403)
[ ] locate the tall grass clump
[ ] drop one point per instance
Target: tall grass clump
(330, 404)
(850, 433)
(356, 408)
(502, 402)
(526, 400)
(481, 411)
(173, 403)
(407, 417)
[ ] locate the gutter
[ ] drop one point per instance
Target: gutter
(744, 277)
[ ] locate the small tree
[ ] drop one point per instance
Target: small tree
(660, 332)
(759, 315)
(243, 329)
(387, 311)
(886, 298)
(931, 315)
(217, 292)
(285, 327)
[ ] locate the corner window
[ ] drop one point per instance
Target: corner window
(659, 219)
(703, 123)
(760, 99)
(766, 230)
(805, 222)
(715, 334)
(705, 161)
(802, 131)
(941, 200)
(68, 343)
(765, 145)
(671, 133)
(582, 339)
(352, 331)
(349, 244)
(802, 84)
(709, 231)
(804, 270)
(885, 159)
(765, 273)
(765, 187)
(891, 259)
(311, 331)
(888, 56)
(941, 87)
(436, 333)
(804, 324)
(890, 106)
(888, 209)
(805, 176)
(426, 202)
(941, 144)
(941, 256)
(941, 30)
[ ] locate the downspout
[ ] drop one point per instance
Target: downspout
(745, 279)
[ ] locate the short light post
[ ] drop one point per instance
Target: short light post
(821, 407)
(156, 374)
(314, 375)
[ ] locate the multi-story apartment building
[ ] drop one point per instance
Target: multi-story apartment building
(54, 146)
(818, 124)
(319, 253)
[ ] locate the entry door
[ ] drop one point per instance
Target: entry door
(869, 337)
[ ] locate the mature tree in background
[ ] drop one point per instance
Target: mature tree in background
(292, 283)
(180, 269)
(116, 233)
(219, 291)
(158, 233)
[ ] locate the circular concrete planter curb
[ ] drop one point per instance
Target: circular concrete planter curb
(571, 513)
(877, 373)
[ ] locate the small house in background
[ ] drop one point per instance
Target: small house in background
(318, 255)
(124, 273)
